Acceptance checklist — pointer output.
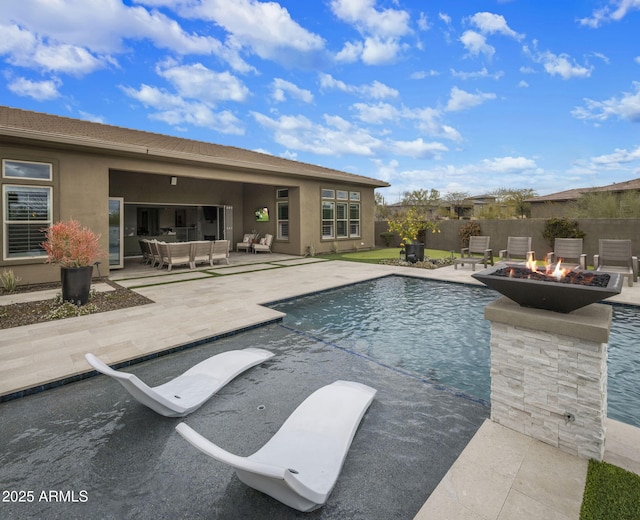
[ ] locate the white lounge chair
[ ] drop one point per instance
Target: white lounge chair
(300, 464)
(187, 392)
(264, 245)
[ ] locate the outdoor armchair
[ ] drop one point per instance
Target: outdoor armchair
(478, 245)
(568, 251)
(615, 256)
(517, 248)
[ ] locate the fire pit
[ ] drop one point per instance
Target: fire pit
(559, 291)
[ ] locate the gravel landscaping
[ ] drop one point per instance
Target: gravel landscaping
(28, 313)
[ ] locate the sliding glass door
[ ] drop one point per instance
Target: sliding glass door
(116, 232)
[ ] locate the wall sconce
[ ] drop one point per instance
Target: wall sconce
(173, 181)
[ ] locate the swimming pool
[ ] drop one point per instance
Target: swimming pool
(437, 331)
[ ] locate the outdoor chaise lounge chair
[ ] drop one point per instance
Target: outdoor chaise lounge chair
(614, 256)
(186, 393)
(300, 464)
(478, 245)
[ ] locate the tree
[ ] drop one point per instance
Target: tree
(456, 199)
(607, 204)
(509, 204)
(410, 224)
(382, 210)
(425, 201)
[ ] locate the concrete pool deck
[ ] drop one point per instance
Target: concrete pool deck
(500, 474)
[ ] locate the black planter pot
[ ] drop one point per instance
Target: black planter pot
(414, 252)
(76, 284)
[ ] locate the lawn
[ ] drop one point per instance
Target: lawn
(374, 256)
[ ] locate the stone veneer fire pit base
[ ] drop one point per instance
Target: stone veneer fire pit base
(549, 374)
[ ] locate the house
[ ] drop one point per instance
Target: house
(560, 204)
(127, 184)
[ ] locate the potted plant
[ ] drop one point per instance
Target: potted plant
(76, 249)
(409, 225)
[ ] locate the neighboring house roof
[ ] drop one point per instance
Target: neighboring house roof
(576, 193)
(24, 124)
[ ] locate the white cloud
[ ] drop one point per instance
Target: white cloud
(476, 44)
(615, 11)
(381, 30)
(421, 74)
(558, 64)
(508, 165)
(490, 23)
(38, 90)
(175, 110)
(523, 84)
(386, 23)
(476, 178)
(281, 88)
(622, 161)
(445, 18)
(67, 31)
(265, 28)
(378, 51)
(423, 22)
(198, 82)
(375, 90)
(336, 137)
(461, 100)
(26, 49)
(375, 114)
(418, 149)
(482, 73)
(428, 121)
(350, 53)
(626, 106)
(618, 158)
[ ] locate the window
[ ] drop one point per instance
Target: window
(27, 213)
(282, 193)
(354, 220)
(328, 223)
(26, 170)
(282, 209)
(340, 219)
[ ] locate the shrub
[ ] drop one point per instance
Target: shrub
(470, 229)
(9, 280)
(388, 237)
(560, 228)
(71, 245)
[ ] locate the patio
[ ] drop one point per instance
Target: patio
(215, 302)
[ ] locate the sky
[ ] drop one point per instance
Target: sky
(458, 96)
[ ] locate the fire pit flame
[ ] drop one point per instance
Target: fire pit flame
(558, 272)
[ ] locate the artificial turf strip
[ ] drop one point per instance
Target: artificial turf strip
(610, 493)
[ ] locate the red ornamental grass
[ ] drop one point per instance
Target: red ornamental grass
(71, 245)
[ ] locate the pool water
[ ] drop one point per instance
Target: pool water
(437, 331)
